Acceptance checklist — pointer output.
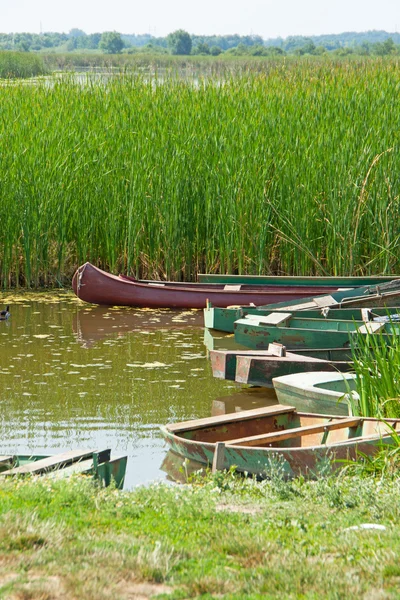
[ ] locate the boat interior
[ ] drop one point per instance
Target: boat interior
(282, 426)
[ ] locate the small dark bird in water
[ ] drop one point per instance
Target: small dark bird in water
(5, 314)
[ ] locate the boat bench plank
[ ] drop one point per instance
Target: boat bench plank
(245, 415)
(371, 327)
(276, 318)
(295, 432)
(51, 462)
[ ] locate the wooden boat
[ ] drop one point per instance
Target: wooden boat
(258, 367)
(371, 296)
(312, 281)
(223, 319)
(294, 333)
(254, 440)
(256, 370)
(98, 287)
(98, 464)
(321, 392)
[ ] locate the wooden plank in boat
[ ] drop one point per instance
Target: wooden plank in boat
(51, 462)
(232, 288)
(277, 349)
(323, 301)
(245, 415)
(371, 327)
(295, 432)
(276, 318)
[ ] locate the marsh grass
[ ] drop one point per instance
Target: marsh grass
(376, 363)
(286, 168)
(20, 65)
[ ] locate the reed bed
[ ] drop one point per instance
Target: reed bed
(20, 64)
(376, 363)
(293, 169)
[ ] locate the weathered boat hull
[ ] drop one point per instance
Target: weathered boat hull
(308, 443)
(260, 371)
(98, 287)
(223, 319)
(257, 367)
(98, 464)
(312, 281)
(302, 333)
(321, 392)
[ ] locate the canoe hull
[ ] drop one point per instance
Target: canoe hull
(98, 287)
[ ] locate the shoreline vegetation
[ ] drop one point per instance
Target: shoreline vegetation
(279, 166)
(218, 537)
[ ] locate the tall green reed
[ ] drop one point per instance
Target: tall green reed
(376, 360)
(265, 171)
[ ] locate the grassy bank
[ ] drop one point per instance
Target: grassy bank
(289, 170)
(223, 538)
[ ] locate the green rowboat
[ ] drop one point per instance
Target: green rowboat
(98, 464)
(295, 333)
(255, 441)
(223, 319)
(321, 392)
(295, 280)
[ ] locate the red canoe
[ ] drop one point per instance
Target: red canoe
(98, 287)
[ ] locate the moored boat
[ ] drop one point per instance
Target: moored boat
(98, 464)
(295, 333)
(321, 392)
(311, 281)
(91, 284)
(258, 367)
(223, 319)
(260, 371)
(253, 441)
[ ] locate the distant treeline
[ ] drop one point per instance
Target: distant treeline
(375, 43)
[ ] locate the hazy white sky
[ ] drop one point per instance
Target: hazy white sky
(268, 18)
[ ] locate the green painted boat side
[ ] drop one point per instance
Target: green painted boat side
(312, 281)
(223, 319)
(98, 464)
(321, 392)
(307, 442)
(301, 333)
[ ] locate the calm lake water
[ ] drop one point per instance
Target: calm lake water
(73, 375)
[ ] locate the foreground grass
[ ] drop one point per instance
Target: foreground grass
(224, 537)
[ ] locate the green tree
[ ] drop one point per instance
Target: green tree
(111, 42)
(179, 42)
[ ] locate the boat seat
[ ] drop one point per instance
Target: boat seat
(277, 436)
(255, 413)
(232, 288)
(371, 327)
(324, 301)
(51, 462)
(276, 318)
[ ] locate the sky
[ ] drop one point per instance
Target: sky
(267, 18)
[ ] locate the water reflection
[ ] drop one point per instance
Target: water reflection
(75, 376)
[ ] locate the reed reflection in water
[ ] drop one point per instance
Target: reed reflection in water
(77, 376)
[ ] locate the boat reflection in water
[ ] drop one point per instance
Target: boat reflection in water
(94, 323)
(180, 469)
